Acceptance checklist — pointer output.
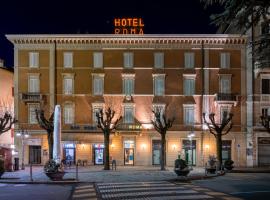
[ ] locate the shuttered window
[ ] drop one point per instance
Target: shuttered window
(189, 60)
(128, 86)
(69, 114)
(128, 60)
(98, 59)
(68, 60)
(33, 59)
(68, 85)
(159, 85)
(98, 85)
(33, 84)
(189, 86)
(225, 84)
(129, 114)
(159, 60)
(265, 86)
(31, 113)
(189, 115)
(224, 60)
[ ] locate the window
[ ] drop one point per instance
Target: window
(96, 109)
(158, 108)
(98, 59)
(265, 111)
(159, 85)
(189, 60)
(31, 113)
(189, 86)
(98, 81)
(265, 28)
(224, 60)
(159, 60)
(128, 60)
(33, 59)
(189, 115)
(265, 86)
(128, 85)
(128, 114)
(224, 112)
(225, 84)
(69, 114)
(68, 60)
(68, 85)
(33, 84)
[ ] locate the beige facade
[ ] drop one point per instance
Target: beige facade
(189, 74)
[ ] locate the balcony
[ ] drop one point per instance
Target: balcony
(226, 98)
(31, 97)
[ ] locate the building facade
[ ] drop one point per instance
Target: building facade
(133, 74)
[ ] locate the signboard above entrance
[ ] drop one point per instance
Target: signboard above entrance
(130, 25)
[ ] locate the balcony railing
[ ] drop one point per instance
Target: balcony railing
(31, 97)
(226, 98)
(129, 127)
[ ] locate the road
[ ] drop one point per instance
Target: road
(35, 192)
(243, 185)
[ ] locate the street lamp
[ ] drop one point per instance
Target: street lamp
(190, 136)
(23, 134)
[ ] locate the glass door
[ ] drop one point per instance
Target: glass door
(156, 152)
(69, 155)
(35, 154)
(189, 147)
(98, 154)
(129, 152)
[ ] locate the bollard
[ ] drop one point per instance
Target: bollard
(31, 172)
(77, 175)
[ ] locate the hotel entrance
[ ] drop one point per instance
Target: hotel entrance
(98, 151)
(69, 153)
(129, 152)
(189, 148)
(156, 152)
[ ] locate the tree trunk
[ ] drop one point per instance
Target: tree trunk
(219, 149)
(163, 153)
(50, 144)
(106, 150)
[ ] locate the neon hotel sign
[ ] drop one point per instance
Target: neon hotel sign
(128, 26)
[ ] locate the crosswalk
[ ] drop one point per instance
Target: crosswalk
(148, 191)
(84, 192)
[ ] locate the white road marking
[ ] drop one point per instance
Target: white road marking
(2, 184)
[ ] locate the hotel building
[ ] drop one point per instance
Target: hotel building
(133, 74)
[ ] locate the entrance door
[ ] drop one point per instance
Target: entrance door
(129, 152)
(69, 155)
(189, 147)
(226, 150)
(35, 154)
(156, 152)
(98, 154)
(264, 151)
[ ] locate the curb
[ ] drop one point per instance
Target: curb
(194, 178)
(250, 171)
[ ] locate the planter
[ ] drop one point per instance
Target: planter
(55, 176)
(211, 170)
(183, 172)
(229, 168)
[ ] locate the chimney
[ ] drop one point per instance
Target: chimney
(1, 63)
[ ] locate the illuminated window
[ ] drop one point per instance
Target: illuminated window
(96, 107)
(128, 60)
(225, 84)
(224, 112)
(31, 113)
(159, 60)
(69, 114)
(68, 60)
(68, 85)
(159, 85)
(189, 60)
(189, 115)
(33, 84)
(224, 60)
(98, 82)
(98, 59)
(189, 86)
(129, 114)
(128, 84)
(33, 59)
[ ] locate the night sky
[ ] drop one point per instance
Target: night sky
(96, 16)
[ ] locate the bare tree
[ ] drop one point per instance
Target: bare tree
(162, 124)
(107, 125)
(219, 130)
(46, 124)
(265, 122)
(7, 119)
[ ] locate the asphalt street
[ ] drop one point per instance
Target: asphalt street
(243, 185)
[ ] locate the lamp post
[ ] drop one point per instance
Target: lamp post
(22, 134)
(190, 136)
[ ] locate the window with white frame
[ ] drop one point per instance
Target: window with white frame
(68, 59)
(128, 84)
(189, 60)
(225, 60)
(159, 85)
(129, 114)
(33, 59)
(98, 84)
(225, 84)
(189, 86)
(98, 59)
(189, 118)
(265, 85)
(265, 111)
(158, 108)
(96, 108)
(159, 60)
(68, 113)
(33, 83)
(224, 112)
(128, 60)
(32, 114)
(68, 85)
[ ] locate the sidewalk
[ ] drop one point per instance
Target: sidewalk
(251, 170)
(97, 174)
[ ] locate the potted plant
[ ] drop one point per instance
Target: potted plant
(212, 165)
(2, 166)
(228, 164)
(54, 170)
(181, 167)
